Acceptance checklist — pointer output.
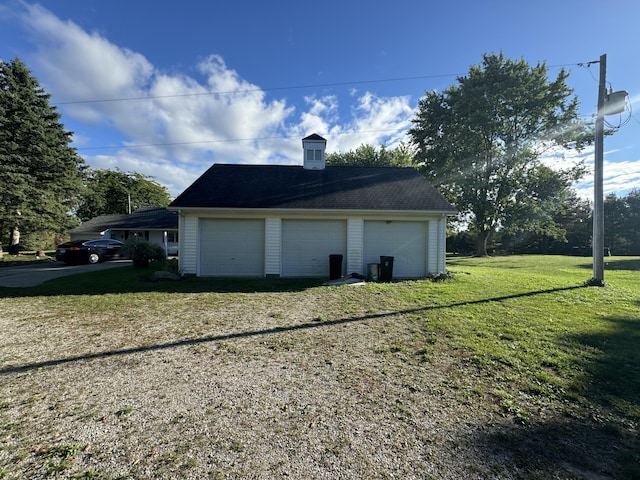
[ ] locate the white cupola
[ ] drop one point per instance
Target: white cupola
(314, 146)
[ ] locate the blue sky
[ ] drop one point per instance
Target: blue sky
(244, 82)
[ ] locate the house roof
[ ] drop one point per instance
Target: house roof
(151, 218)
(293, 187)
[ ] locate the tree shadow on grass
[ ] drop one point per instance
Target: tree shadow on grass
(632, 264)
(620, 263)
(596, 434)
(615, 374)
(567, 448)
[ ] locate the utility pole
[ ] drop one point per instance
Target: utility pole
(598, 190)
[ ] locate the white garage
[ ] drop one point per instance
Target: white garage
(307, 244)
(232, 247)
(270, 221)
(405, 241)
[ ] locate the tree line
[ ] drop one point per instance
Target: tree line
(45, 186)
(480, 142)
(575, 222)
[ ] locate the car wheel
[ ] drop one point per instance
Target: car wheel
(94, 258)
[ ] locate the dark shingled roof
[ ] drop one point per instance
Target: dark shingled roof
(293, 187)
(314, 136)
(151, 218)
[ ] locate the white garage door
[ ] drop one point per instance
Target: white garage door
(307, 244)
(405, 241)
(232, 248)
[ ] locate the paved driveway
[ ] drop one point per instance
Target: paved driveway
(35, 274)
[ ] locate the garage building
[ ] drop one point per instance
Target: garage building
(285, 221)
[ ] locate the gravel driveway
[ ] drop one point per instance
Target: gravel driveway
(225, 386)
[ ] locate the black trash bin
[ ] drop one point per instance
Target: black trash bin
(335, 267)
(385, 273)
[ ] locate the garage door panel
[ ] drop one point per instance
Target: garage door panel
(307, 244)
(405, 241)
(232, 247)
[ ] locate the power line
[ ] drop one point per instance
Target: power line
(252, 90)
(275, 89)
(228, 140)
(173, 144)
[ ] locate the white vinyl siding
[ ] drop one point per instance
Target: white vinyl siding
(355, 241)
(188, 245)
(405, 241)
(232, 248)
(272, 248)
(438, 243)
(307, 244)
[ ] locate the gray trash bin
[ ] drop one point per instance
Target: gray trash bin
(372, 271)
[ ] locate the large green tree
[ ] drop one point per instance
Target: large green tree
(570, 233)
(481, 142)
(113, 192)
(369, 156)
(41, 174)
(622, 223)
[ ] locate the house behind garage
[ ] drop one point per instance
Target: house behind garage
(285, 221)
(155, 224)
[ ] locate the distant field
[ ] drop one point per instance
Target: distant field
(512, 368)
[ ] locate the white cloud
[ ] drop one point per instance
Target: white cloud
(618, 177)
(184, 128)
(78, 65)
(320, 114)
(386, 117)
(373, 120)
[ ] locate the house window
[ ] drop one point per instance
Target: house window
(172, 237)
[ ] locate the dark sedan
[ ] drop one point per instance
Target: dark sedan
(88, 251)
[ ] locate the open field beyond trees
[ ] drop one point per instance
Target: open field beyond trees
(510, 369)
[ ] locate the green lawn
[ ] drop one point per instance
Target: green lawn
(558, 359)
(531, 318)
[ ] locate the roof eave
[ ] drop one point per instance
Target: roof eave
(317, 211)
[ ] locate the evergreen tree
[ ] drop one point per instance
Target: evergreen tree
(40, 172)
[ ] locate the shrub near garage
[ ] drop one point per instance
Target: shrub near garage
(141, 251)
